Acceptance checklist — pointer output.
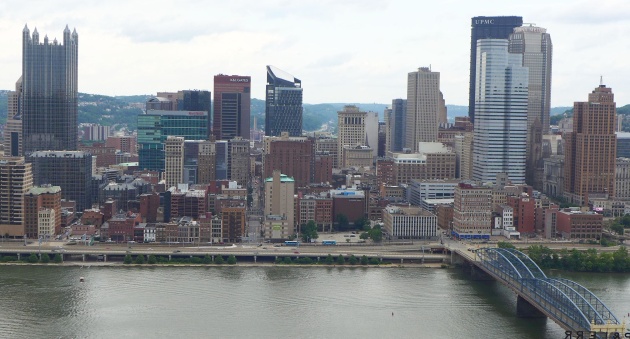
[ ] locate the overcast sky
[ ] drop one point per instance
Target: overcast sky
(342, 50)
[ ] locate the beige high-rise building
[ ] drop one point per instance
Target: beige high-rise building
(13, 130)
(238, 161)
(351, 131)
(425, 107)
(174, 161)
(463, 149)
(16, 178)
(534, 45)
(206, 162)
(279, 206)
(434, 161)
(472, 211)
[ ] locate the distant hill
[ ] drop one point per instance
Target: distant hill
(121, 111)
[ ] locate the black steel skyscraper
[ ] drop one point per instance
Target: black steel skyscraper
(283, 100)
(486, 27)
(49, 92)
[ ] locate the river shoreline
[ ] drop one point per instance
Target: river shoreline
(120, 264)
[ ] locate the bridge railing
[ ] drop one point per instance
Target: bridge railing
(570, 303)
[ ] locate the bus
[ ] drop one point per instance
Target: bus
(291, 243)
(329, 242)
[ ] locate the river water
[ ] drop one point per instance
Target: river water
(272, 302)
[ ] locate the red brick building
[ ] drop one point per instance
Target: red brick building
(579, 225)
(293, 156)
(385, 172)
(120, 227)
(323, 164)
(34, 200)
(105, 156)
(125, 143)
(149, 204)
(524, 213)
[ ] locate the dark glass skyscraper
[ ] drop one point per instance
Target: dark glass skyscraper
(49, 92)
(283, 111)
(196, 101)
(486, 27)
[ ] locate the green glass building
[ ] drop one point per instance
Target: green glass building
(154, 126)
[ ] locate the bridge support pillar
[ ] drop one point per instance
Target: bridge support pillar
(104, 257)
(526, 310)
(19, 256)
(401, 260)
(169, 257)
(83, 257)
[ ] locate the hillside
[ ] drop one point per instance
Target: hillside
(121, 111)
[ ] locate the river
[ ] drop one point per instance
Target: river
(272, 302)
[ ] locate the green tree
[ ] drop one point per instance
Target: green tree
(376, 234)
(617, 228)
(341, 260)
(504, 244)
(364, 236)
(32, 258)
(152, 259)
(139, 259)
(219, 260)
(58, 259)
(621, 260)
(329, 259)
(353, 260)
(342, 222)
(362, 224)
(375, 261)
(364, 260)
(309, 231)
(287, 260)
(207, 259)
(127, 259)
(231, 260)
(45, 258)
(278, 260)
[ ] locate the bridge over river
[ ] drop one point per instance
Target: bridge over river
(570, 305)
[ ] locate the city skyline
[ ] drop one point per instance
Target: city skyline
(131, 47)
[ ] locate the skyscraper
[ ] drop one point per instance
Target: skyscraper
(589, 158)
(190, 100)
(395, 120)
(424, 107)
(16, 178)
(534, 44)
(486, 27)
(283, 111)
(13, 129)
(351, 130)
(500, 129)
(49, 92)
(232, 101)
(174, 161)
(70, 170)
(155, 126)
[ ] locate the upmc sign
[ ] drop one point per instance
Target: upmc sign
(484, 22)
(239, 80)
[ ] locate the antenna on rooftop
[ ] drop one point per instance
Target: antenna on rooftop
(601, 80)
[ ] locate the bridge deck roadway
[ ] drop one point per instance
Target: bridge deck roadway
(468, 253)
